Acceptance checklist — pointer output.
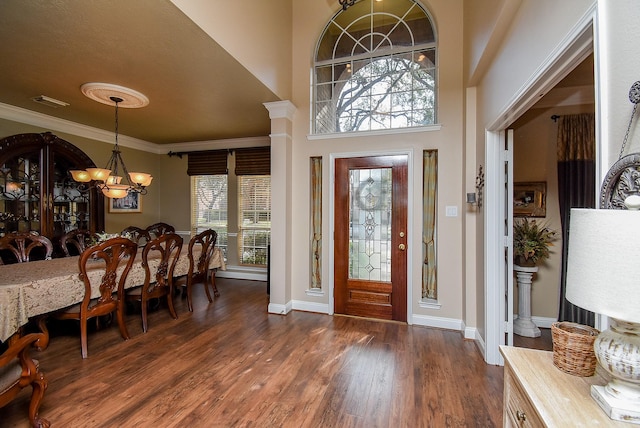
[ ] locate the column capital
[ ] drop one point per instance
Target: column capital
(280, 109)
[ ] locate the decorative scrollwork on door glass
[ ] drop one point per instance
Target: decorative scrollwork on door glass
(370, 224)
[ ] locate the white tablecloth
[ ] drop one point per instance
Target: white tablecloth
(40, 287)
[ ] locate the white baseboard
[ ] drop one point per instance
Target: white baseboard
(438, 322)
(471, 333)
(242, 272)
(279, 309)
(301, 305)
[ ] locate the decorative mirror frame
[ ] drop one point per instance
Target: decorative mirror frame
(622, 180)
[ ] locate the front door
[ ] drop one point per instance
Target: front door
(371, 237)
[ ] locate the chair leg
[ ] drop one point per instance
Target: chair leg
(83, 337)
(42, 343)
(189, 299)
(39, 385)
(172, 309)
(143, 310)
(205, 284)
(216, 293)
(121, 324)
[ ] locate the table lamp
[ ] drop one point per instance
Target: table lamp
(603, 276)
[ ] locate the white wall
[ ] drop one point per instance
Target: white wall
(258, 34)
(618, 67)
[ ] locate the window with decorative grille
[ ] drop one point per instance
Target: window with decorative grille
(375, 68)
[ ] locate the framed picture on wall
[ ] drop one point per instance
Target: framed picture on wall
(529, 199)
(132, 203)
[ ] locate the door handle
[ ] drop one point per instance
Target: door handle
(401, 247)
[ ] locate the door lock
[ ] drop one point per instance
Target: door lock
(401, 247)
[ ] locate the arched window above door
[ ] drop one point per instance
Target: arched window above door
(375, 68)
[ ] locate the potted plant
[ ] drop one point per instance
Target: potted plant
(531, 242)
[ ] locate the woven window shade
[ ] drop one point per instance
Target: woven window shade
(211, 162)
(253, 161)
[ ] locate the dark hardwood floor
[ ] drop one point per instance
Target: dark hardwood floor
(230, 364)
(543, 343)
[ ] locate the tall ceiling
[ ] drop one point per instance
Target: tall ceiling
(197, 91)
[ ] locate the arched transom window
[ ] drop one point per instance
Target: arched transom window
(375, 68)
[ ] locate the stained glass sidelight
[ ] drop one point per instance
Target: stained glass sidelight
(370, 224)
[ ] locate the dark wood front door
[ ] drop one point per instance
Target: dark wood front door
(371, 237)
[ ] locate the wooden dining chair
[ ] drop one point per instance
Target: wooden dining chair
(110, 256)
(159, 259)
(138, 235)
(199, 272)
(158, 229)
(18, 370)
(18, 246)
(78, 239)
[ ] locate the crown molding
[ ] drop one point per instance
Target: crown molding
(41, 120)
(230, 143)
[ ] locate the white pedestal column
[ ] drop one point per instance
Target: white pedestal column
(523, 326)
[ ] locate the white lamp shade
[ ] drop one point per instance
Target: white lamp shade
(603, 265)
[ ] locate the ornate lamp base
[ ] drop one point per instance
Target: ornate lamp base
(616, 409)
(618, 352)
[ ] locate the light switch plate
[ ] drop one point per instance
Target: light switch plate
(451, 211)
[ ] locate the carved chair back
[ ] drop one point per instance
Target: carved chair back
(78, 239)
(199, 266)
(138, 235)
(157, 229)
(159, 259)
(19, 245)
(107, 258)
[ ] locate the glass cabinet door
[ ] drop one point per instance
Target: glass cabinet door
(70, 202)
(20, 208)
(37, 192)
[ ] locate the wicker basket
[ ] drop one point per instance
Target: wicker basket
(573, 348)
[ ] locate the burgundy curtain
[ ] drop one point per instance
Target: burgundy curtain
(576, 189)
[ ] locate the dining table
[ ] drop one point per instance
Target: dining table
(40, 287)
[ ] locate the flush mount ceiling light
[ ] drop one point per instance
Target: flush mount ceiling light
(48, 101)
(107, 179)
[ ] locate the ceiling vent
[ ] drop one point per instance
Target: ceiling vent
(48, 101)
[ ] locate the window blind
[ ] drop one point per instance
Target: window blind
(253, 161)
(210, 162)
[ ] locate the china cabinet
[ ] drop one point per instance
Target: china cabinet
(36, 189)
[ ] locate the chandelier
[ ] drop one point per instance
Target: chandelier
(108, 179)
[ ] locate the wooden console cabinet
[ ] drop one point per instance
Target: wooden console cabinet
(538, 394)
